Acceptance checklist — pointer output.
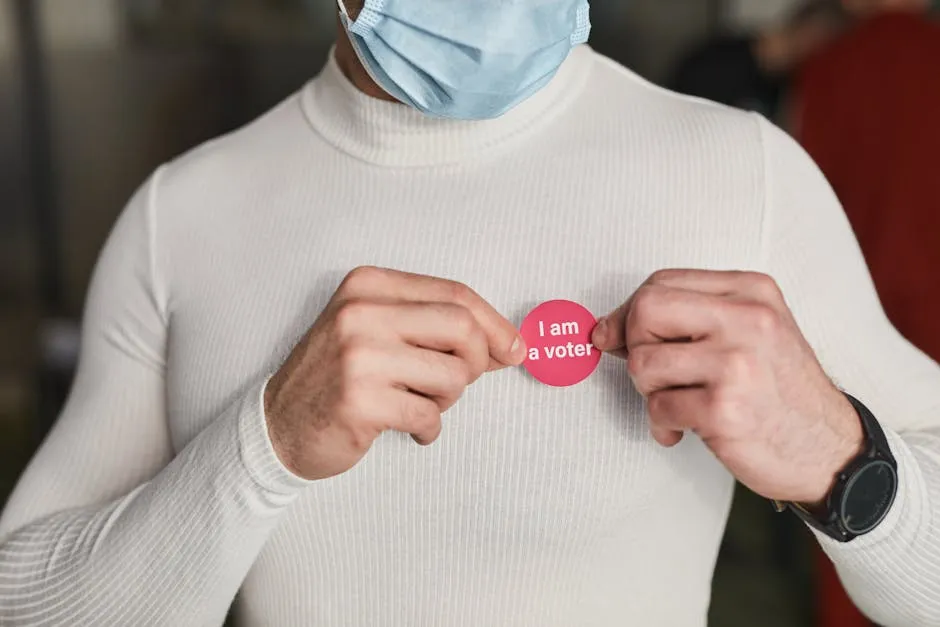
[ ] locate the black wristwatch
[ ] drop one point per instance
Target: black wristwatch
(864, 490)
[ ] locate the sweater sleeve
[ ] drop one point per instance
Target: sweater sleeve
(893, 573)
(108, 526)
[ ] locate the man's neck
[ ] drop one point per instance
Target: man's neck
(349, 63)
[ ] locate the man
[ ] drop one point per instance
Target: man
(751, 71)
(246, 408)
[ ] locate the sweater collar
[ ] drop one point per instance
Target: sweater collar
(395, 135)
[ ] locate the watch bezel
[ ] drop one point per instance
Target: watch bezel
(850, 483)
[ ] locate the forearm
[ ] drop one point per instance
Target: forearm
(173, 552)
(893, 573)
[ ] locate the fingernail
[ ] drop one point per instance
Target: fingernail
(600, 331)
(517, 352)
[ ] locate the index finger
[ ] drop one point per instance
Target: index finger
(657, 313)
(505, 344)
(691, 284)
(732, 283)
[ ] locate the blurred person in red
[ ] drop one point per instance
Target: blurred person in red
(866, 111)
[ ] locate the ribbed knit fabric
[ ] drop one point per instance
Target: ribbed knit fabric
(158, 496)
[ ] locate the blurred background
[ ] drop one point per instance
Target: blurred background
(97, 93)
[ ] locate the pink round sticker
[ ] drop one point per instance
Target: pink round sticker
(558, 337)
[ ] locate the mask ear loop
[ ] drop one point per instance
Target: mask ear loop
(348, 23)
(343, 13)
(364, 20)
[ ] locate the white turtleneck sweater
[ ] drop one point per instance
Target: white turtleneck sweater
(158, 496)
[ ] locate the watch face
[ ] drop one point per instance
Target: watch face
(868, 497)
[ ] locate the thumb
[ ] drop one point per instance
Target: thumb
(610, 333)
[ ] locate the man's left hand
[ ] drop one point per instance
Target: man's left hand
(720, 354)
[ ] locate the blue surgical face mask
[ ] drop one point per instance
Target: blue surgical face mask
(465, 59)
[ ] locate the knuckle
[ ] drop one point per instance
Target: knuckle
(460, 293)
(645, 301)
(639, 361)
(763, 318)
(355, 416)
(463, 322)
(478, 356)
(359, 279)
(364, 274)
(656, 405)
(722, 411)
(461, 376)
(478, 339)
(359, 437)
(351, 317)
(665, 275)
(354, 358)
(764, 284)
(350, 417)
(420, 417)
(738, 366)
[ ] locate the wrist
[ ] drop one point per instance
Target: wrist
(850, 442)
(280, 439)
(864, 490)
(257, 448)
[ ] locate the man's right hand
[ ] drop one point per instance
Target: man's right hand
(390, 352)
